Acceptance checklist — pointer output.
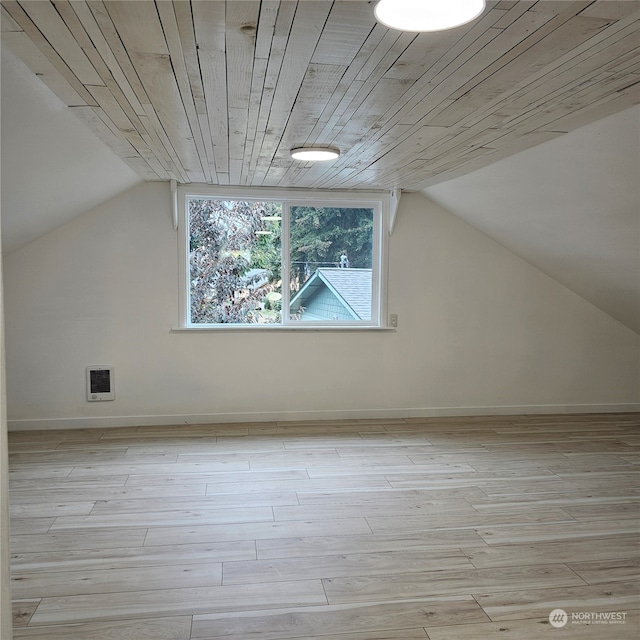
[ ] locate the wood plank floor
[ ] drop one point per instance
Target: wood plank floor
(439, 528)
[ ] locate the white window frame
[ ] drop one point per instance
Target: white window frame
(379, 202)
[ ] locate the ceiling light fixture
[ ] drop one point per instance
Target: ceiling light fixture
(315, 154)
(427, 15)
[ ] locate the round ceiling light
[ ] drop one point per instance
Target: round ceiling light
(427, 15)
(315, 154)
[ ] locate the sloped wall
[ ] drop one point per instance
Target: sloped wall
(480, 331)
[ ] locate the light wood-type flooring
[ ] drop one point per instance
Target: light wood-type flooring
(439, 528)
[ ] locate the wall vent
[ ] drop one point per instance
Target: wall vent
(100, 383)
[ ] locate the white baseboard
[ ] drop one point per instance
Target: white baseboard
(103, 422)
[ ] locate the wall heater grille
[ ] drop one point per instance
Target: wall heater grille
(100, 383)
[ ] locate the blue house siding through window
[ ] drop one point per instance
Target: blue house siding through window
(333, 294)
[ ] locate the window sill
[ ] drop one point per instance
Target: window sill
(268, 328)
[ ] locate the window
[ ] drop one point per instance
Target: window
(281, 260)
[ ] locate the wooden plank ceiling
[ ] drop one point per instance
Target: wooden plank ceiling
(219, 91)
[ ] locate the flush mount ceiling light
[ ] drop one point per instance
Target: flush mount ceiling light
(427, 15)
(315, 154)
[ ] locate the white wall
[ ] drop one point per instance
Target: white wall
(582, 227)
(53, 166)
(480, 331)
(6, 617)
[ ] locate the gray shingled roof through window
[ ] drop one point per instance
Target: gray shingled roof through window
(353, 286)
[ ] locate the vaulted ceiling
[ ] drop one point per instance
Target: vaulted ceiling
(219, 91)
(522, 122)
